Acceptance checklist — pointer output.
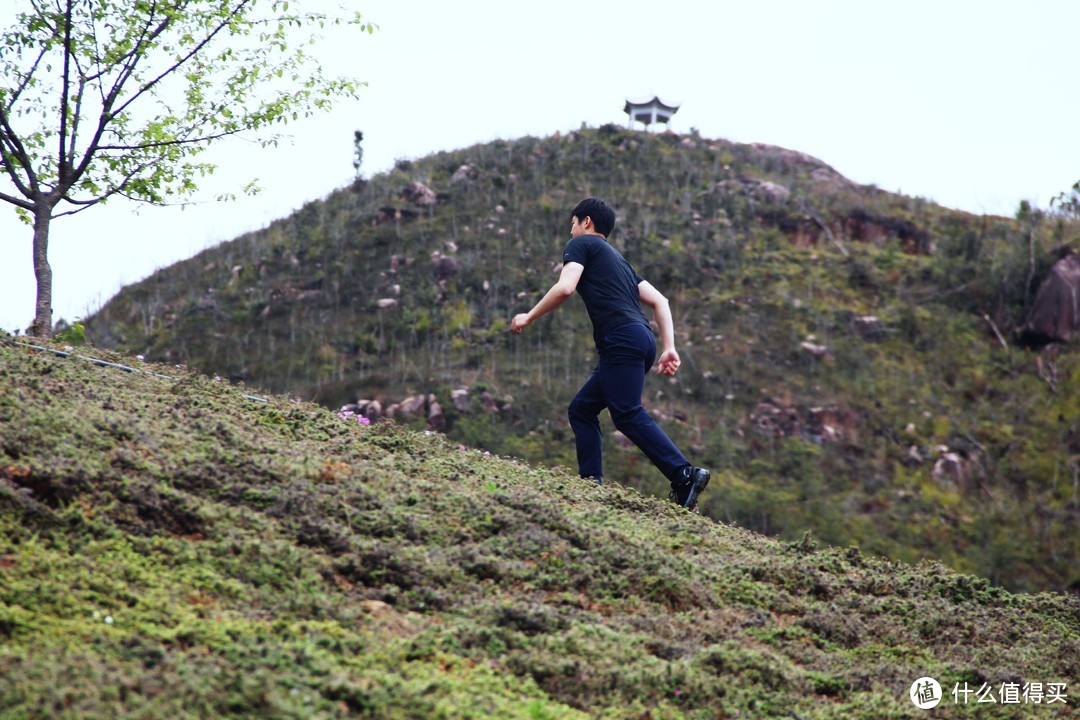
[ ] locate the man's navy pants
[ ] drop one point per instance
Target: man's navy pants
(626, 354)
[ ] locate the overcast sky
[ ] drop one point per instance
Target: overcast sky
(971, 104)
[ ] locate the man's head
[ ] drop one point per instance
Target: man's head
(592, 215)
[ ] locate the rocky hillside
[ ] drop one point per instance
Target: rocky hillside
(849, 357)
(171, 547)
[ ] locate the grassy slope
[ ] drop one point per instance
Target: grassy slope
(169, 548)
(294, 308)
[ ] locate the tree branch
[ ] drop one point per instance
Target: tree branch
(62, 160)
(131, 59)
(172, 143)
(994, 327)
(95, 77)
(117, 190)
(237, 10)
(130, 62)
(15, 148)
(25, 80)
(85, 206)
(17, 201)
(77, 114)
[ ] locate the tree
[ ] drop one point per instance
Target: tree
(1067, 204)
(358, 151)
(100, 98)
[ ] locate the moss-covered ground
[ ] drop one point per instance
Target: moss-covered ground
(170, 548)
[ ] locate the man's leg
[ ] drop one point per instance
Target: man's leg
(624, 384)
(622, 387)
(628, 354)
(584, 414)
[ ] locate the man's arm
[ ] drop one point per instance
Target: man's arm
(556, 296)
(669, 356)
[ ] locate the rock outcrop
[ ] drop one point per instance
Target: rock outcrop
(419, 194)
(1053, 315)
(429, 408)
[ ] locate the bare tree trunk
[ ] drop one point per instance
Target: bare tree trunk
(1028, 288)
(42, 326)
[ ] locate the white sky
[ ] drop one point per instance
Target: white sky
(969, 103)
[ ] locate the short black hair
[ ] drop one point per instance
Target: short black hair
(603, 217)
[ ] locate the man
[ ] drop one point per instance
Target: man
(613, 294)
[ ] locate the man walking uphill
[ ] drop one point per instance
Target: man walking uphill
(613, 294)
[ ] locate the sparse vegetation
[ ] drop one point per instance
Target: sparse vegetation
(849, 363)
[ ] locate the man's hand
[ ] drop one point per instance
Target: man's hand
(669, 363)
(520, 322)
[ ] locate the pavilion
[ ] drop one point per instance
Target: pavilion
(649, 111)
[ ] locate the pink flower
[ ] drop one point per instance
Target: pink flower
(350, 415)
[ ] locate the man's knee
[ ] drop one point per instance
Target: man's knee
(630, 418)
(577, 410)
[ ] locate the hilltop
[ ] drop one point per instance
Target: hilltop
(178, 547)
(849, 367)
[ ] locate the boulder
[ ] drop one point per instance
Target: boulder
(1053, 315)
(488, 402)
(391, 214)
(419, 194)
(461, 399)
(822, 424)
(773, 420)
(788, 160)
(412, 406)
(773, 191)
(951, 467)
(830, 178)
(763, 190)
(444, 266)
(863, 225)
(436, 420)
(373, 410)
(825, 424)
(870, 328)
(463, 174)
(818, 351)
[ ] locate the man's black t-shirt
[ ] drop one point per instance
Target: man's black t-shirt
(608, 285)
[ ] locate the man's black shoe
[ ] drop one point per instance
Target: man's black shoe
(686, 489)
